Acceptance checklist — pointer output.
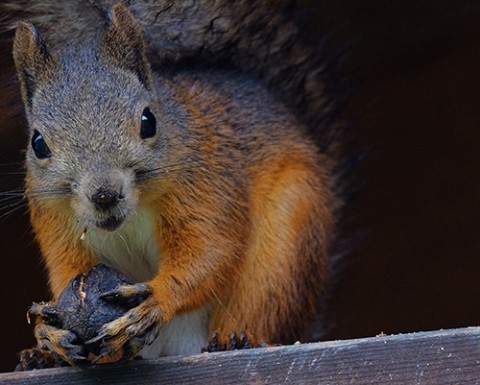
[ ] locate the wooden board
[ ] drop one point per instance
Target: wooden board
(439, 357)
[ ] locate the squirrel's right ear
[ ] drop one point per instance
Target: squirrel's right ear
(123, 44)
(32, 60)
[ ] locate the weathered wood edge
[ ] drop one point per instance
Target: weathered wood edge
(438, 357)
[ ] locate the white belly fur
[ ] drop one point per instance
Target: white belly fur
(185, 334)
(133, 251)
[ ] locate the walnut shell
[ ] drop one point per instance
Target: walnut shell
(82, 310)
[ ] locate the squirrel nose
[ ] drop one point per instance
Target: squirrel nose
(105, 199)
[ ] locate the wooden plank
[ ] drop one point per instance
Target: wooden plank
(439, 357)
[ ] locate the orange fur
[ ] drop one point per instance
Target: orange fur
(64, 253)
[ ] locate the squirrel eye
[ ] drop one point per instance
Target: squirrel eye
(39, 146)
(149, 124)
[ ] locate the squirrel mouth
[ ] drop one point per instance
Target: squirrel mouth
(110, 224)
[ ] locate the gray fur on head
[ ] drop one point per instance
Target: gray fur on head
(259, 37)
(87, 103)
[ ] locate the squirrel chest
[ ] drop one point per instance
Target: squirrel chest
(132, 249)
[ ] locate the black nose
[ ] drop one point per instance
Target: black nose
(105, 199)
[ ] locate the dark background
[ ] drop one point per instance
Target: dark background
(416, 108)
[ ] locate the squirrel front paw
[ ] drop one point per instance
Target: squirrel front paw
(50, 337)
(36, 358)
(132, 331)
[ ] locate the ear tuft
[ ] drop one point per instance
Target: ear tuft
(124, 46)
(32, 60)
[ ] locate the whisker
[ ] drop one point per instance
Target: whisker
(45, 195)
(171, 168)
(126, 243)
(46, 198)
(18, 205)
(183, 163)
(10, 199)
(12, 173)
(7, 164)
(61, 191)
(217, 298)
(4, 207)
(160, 173)
(14, 190)
(10, 194)
(51, 192)
(102, 246)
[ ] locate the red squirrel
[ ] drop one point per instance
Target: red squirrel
(170, 141)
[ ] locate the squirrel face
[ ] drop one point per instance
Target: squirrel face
(89, 137)
(93, 119)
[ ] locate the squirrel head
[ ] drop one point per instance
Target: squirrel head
(92, 114)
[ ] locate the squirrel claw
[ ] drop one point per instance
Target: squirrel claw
(35, 358)
(103, 353)
(51, 338)
(42, 309)
(59, 342)
(76, 357)
(137, 328)
(46, 310)
(127, 292)
(233, 342)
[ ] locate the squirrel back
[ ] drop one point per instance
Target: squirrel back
(173, 140)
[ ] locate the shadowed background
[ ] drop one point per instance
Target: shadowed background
(416, 108)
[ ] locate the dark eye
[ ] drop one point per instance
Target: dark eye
(149, 124)
(39, 146)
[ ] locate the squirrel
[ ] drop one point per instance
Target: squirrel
(191, 146)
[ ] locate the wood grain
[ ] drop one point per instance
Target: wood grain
(439, 357)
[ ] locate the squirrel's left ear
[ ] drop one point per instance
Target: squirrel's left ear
(123, 44)
(33, 62)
